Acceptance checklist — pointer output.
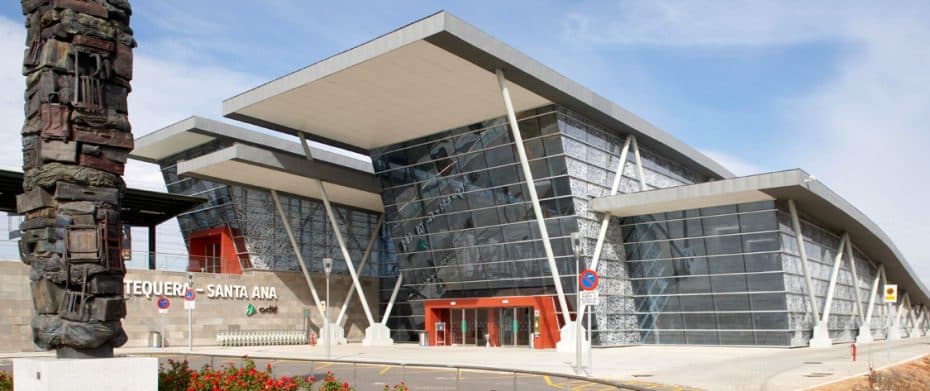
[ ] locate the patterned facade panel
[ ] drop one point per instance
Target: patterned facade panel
(822, 248)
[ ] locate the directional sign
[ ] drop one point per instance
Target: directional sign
(891, 293)
(589, 298)
(163, 304)
(588, 280)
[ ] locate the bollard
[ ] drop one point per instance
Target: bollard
(458, 373)
(853, 349)
(514, 381)
(355, 373)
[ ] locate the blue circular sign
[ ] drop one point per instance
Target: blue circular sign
(588, 280)
(189, 294)
(163, 303)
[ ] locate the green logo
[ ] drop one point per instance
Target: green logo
(250, 310)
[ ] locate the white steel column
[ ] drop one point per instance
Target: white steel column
(821, 336)
(864, 330)
(340, 320)
(390, 306)
(376, 333)
(799, 236)
(912, 313)
(531, 186)
(568, 333)
(867, 321)
(639, 167)
(300, 257)
(602, 233)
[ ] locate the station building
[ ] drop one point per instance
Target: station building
(454, 169)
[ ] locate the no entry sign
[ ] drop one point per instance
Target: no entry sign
(588, 280)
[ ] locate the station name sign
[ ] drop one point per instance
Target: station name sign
(212, 291)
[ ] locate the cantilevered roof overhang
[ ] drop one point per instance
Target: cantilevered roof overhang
(140, 208)
(268, 169)
(432, 75)
(196, 131)
(812, 197)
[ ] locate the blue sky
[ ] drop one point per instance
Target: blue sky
(839, 89)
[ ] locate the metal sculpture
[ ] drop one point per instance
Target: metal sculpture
(76, 138)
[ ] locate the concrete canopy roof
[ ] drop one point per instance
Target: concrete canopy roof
(431, 75)
(811, 196)
(263, 168)
(195, 131)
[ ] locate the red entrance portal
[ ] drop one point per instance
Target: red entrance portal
(529, 321)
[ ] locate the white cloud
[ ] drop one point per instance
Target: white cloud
(869, 128)
(686, 23)
(863, 131)
(736, 165)
(167, 87)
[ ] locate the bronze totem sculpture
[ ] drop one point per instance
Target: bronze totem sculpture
(76, 138)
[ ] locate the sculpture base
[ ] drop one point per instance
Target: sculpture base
(567, 341)
(123, 373)
(377, 335)
(104, 351)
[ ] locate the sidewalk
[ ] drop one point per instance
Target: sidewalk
(705, 367)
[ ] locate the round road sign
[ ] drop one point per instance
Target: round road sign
(163, 303)
(189, 294)
(588, 280)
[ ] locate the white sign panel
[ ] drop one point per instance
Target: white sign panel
(891, 293)
(190, 304)
(589, 298)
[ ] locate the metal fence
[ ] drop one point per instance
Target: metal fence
(375, 375)
(261, 337)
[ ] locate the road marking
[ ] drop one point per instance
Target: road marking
(550, 383)
(385, 369)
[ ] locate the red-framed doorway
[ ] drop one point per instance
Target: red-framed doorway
(493, 321)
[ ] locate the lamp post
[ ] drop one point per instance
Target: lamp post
(577, 247)
(328, 268)
(190, 318)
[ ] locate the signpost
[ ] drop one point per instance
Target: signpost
(891, 297)
(163, 303)
(189, 305)
(588, 296)
(891, 293)
(588, 280)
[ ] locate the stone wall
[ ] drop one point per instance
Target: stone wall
(211, 314)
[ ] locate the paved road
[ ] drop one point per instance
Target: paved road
(704, 367)
(376, 376)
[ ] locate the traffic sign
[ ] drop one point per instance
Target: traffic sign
(589, 297)
(891, 293)
(189, 294)
(163, 303)
(588, 280)
(190, 304)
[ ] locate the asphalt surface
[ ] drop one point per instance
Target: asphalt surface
(658, 367)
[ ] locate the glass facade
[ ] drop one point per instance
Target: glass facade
(461, 221)
(250, 212)
(708, 276)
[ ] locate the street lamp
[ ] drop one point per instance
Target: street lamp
(578, 248)
(328, 268)
(190, 316)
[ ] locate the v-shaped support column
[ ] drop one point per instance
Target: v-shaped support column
(376, 333)
(821, 337)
